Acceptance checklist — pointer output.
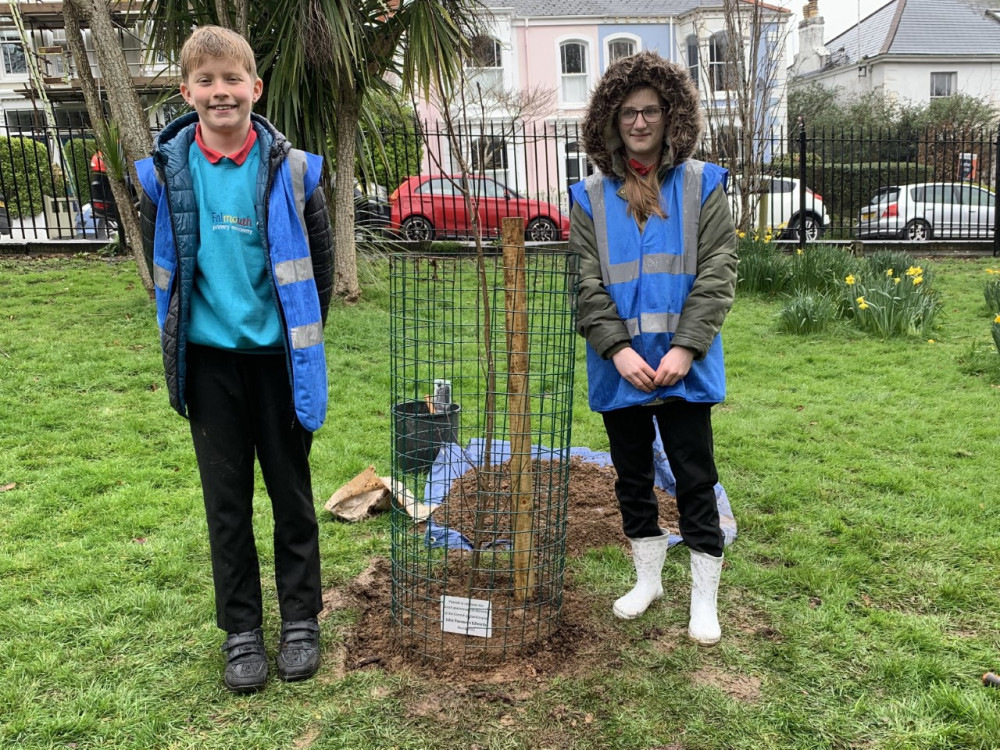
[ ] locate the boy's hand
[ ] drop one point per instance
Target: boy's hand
(674, 366)
(634, 369)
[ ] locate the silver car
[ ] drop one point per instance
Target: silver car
(929, 210)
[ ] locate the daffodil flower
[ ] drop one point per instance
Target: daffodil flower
(849, 280)
(862, 305)
(897, 279)
(914, 271)
(917, 280)
(996, 319)
(798, 251)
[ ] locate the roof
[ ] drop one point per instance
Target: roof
(555, 8)
(922, 27)
(611, 8)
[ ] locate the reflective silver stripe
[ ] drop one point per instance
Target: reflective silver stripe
(297, 165)
(290, 271)
(161, 277)
(693, 171)
(652, 323)
(308, 335)
(621, 272)
(595, 189)
(665, 263)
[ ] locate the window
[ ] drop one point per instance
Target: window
(973, 196)
(437, 187)
(934, 194)
(720, 71)
(14, 62)
(490, 189)
(692, 58)
(573, 68)
(486, 66)
(943, 84)
(489, 152)
(619, 48)
(23, 119)
(577, 165)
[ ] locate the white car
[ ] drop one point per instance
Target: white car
(929, 210)
(781, 209)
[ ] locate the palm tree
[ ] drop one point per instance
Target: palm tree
(321, 59)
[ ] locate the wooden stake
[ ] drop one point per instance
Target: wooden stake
(519, 406)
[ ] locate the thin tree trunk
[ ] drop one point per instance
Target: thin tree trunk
(345, 279)
(237, 20)
(242, 16)
(222, 12)
(74, 12)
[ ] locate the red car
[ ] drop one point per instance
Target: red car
(433, 206)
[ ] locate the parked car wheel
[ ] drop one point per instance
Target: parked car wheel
(814, 228)
(541, 230)
(917, 231)
(417, 228)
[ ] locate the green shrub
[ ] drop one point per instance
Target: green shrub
(822, 269)
(22, 162)
(763, 268)
(78, 152)
(992, 295)
(893, 304)
(806, 313)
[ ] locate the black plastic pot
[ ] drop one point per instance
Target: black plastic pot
(420, 434)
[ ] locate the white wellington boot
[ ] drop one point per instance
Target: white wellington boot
(648, 555)
(705, 572)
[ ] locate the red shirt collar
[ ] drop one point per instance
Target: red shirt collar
(214, 157)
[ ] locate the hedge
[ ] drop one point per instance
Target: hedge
(23, 161)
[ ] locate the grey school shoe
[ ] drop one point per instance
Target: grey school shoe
(246, 661)
(298, 655)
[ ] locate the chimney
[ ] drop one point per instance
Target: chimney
(812, 54)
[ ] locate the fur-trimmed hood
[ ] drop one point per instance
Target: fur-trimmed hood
(601, 139)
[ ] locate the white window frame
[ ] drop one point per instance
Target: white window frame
(717, 67)
(621, 37)
(585, 76)
(10, 36)
(952, 79)
(694, 68)
(489, 77)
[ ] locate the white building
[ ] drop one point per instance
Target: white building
(910, 50)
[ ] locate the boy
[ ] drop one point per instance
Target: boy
(236, 232)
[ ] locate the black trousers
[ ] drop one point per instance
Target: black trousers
(240, 405)
(686, 432)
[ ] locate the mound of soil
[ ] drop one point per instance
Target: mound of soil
(580, 633)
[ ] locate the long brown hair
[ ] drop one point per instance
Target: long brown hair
(642, 194)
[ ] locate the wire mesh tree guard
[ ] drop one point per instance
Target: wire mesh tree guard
(482, 353)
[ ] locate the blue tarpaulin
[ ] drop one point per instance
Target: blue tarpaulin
(453, 462)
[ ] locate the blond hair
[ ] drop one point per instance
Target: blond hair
(642, 194)
(207, 42)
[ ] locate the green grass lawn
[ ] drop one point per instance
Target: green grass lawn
(859, 604)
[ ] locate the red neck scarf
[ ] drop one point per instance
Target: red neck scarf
(639, 167)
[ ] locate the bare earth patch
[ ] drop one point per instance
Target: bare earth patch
(585, 636)
(740, 687)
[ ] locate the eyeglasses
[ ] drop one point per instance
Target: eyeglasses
(649, 114)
